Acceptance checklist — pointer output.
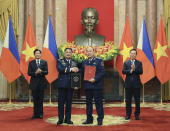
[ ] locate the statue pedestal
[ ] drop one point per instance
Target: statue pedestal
(111, 85)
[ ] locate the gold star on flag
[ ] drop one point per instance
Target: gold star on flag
(28, 52)
(160, 51)
(125, 52)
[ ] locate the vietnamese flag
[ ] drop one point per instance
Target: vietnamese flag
(144, 54)
(50, 52)
(10, 57)
(161, 55)
(28, 48)
(124, 50)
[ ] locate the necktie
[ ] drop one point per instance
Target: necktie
(38, 63)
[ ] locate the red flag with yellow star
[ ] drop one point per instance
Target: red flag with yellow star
(125, 47)
(28, 48)
(161, 55)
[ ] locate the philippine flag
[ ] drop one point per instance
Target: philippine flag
(50, 52)
(10, 56)
(145, 55)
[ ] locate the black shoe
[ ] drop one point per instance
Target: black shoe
(137, 118)
(65, 120)
(127, 118)
(68, 122)
(41, 116)
(59, 122)
(100, 123)
(87, 122)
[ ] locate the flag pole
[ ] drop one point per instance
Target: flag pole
(10, 101)
(50, 96)
(29, 97)
(161, 95)
(143, 95)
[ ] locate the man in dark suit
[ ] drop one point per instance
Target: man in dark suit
(37, 69)
(65, 67)
(94, 87)
(132, 69)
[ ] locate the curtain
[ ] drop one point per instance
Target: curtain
(8, 8)
(166, 19)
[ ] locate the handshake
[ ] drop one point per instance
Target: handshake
(74, 69)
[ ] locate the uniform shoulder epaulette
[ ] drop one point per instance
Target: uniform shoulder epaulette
(60, 58)
(85, 60)
(98, 58)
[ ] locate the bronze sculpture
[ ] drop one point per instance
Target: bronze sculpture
(89, 19)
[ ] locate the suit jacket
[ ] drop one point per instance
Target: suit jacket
(98, 62)
(63, 67)
(132, 79)
(38, 81)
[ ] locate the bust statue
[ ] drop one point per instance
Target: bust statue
(89, 19)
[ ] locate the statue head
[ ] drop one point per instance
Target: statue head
(89, 19)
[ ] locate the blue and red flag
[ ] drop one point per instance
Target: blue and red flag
(10, 56)
(145, 55)
(50, 52)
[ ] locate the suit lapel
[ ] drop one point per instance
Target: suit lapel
(40, 62)
(93, 60)
(67, 63)
(136, 62)
(129, 62)
(35, 62)
(70, 63)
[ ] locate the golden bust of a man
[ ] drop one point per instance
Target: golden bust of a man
(89, 19)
